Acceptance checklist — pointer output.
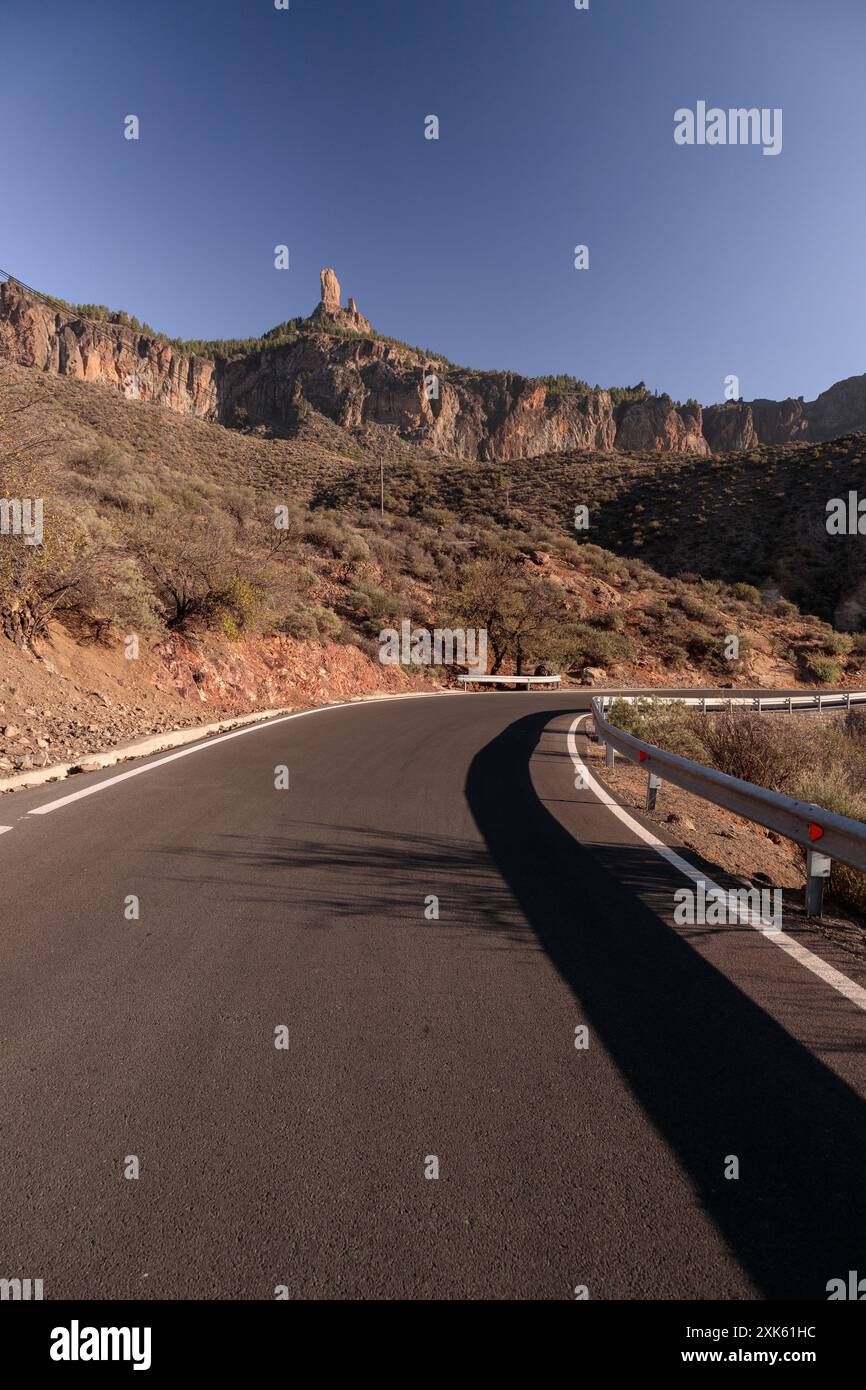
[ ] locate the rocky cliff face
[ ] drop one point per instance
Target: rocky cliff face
(838, 410)
(353, 380)
(469, 415)
(361, 379)
(739, 425)
(143, 368)
(356, 381)
(658, 424)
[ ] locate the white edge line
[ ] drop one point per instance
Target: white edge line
(830, 976)
(211, 743)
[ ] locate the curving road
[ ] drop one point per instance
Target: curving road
(408, 1037)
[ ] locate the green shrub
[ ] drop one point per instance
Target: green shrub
(824, 670)
(676, 657)
(610, 620)
(239, 605)
(602, 562)
(694, 607)
(671, 726)
(747, 593)
(330, 627)
(437, 516)
(310, 622)
(355, 549)
(701, 644)
(374, 608)
(588, 646)
(326, 533)
(838, 644)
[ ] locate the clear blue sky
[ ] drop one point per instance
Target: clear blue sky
(306, 127)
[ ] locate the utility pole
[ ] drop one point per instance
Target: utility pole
(382, 484)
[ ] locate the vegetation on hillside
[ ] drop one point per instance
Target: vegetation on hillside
(161, 524)
(758, 517)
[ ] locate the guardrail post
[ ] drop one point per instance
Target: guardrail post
(704, 705)
(790, 704)
(847, 699)
(819, 704)
(652, 788)
(609, 755)
(818, 867)
(760, 705)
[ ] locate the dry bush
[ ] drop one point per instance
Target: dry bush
(672, 726)
(62, 570)
(768, 750)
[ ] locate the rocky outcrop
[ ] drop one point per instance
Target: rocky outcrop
(729, 427)
(780, 422)
(142, 368)
(330, 292)
(658, 424)
(522, 420)
(338, 365)
(741, 425)
(357, 381)
(329, 311)
(838, 410)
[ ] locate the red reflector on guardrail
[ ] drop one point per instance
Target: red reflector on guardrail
(642, 755)
(815, 832)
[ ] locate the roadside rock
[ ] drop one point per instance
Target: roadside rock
(591, 675)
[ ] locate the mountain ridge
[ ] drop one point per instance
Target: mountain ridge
(336, 362)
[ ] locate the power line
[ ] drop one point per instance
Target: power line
(69, 314)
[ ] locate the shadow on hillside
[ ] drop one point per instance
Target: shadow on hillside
(714, 1073)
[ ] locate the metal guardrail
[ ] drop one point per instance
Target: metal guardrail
(761, 704)
(824, 835)
(483, 679)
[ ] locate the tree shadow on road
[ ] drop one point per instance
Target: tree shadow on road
(324, 873)
(713, 1072)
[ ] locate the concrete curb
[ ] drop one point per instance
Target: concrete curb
(172, 738)
(139, 748)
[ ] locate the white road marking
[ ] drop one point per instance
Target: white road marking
(830, 976)
(211, 743)
(4, 828)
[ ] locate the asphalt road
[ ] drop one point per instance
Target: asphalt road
(408, 1037)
